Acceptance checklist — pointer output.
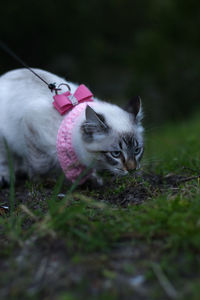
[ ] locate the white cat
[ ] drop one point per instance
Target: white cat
(103, 135)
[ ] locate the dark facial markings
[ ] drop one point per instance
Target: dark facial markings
(109, 159)
(141, 154)
(130, 145)
(128, 155)
(132, 151)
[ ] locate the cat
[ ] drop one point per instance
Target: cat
(104, 135)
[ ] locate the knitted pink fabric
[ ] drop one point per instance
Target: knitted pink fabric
(65, 151)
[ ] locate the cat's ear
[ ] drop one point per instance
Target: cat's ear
(94, 126)
(94, 118)
(136, 104)
(135, 107)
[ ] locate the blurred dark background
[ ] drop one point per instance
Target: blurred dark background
(119, 48)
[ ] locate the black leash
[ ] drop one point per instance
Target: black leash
(51, 86)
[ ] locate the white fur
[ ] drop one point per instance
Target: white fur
(29, 122)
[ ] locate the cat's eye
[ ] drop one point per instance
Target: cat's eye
(137, 150)
(115, 154)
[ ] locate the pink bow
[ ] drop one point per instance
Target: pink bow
(66, 101)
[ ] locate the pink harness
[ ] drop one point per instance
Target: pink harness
(76, 103)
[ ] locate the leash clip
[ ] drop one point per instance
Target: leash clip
(66, 101)
(52, 87)
(58, 88)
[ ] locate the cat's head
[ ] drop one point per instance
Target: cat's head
(113, 137)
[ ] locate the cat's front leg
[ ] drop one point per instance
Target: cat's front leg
(4, 167)
(4, 175)
(96, 179)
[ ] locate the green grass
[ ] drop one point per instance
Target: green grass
(166, 224)
(175, 146)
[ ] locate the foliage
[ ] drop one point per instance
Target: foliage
(120, 48)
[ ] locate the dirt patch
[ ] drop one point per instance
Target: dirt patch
(143, 187)
(119, 191)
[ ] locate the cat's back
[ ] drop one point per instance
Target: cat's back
(25, 98)
(22, 84)
(21, 92)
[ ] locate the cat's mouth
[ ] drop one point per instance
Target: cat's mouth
(115, 171)
(120, 172)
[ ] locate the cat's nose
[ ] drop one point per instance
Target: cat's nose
(131, 165)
